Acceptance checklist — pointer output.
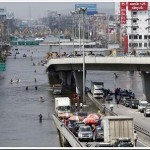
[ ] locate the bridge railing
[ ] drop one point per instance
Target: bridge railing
(69, 136)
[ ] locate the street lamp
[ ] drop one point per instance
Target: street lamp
(73, 14)
(83, 10)
(59, 32)
(79, 11)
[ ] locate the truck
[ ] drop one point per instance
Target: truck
(97, 89)
(118, 127)
(62, 105)
(57, 89)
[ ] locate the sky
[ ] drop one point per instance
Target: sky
(24, 10)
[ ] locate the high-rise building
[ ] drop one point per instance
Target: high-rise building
(135, 19)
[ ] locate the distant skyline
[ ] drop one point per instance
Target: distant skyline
(35, 10)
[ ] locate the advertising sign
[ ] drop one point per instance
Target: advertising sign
(125, 43)
(123, 16)
(138, 6)
(91, 8)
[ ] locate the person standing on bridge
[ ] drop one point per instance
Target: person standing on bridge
(135, 138)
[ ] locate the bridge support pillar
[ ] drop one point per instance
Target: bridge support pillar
(69, 75)
(65, 77)
(53, 77)
(78, 75)
(146, 84)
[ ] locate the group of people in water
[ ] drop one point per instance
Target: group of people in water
(34, 80)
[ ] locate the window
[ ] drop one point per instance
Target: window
(134, 45)
(134, 29)
(134, 12)
(140, 44)
(149, 36)
(145, 44)
(140, 36)
(135, 37)
(130, 44)
(145, 36)
(134, 21)
(130, 36)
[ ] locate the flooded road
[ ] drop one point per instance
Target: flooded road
(19, 109)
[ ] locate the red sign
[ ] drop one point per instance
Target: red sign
(137, 6)
(123, 16)
(125, 43)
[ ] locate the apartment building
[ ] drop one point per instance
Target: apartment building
(136, 19)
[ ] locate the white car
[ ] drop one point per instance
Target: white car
(142, 105)
(147, 110)
(85, 133)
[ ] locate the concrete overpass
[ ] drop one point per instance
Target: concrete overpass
(66, 66)
(101, 63)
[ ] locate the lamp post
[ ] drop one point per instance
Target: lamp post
(73, 14)
(59, 32)
(79, 11)
(83, 10)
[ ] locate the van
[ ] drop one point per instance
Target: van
(62, 105)
(142, 105)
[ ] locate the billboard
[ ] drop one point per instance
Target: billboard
(91, 8)
(138, 6)
(123, 16)
(125, 43)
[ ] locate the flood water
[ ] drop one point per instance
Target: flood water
(19, 109)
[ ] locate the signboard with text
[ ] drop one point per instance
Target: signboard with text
(137, 6)
(123, 16)
(91, 8)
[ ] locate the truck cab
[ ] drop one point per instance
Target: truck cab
(97, 89)
(98, 93)
(62, 104)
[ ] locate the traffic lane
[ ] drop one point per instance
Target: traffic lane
(138, 117)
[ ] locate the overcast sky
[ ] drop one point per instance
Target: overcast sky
(36, 10)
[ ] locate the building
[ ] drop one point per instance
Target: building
(135, 19)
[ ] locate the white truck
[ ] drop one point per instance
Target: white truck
(57, 89)
(62, 104)
(97, 89)
(118, 127)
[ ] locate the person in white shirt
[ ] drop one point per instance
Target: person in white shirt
(135, 138)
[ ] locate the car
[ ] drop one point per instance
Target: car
(85, 133)
(142, 105)
(76, 126)
(134, 103)
(123, 99)
(123, 142)
(99, 133)
(127, 102)
(147, 110)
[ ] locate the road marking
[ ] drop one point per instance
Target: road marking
(143, 143)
